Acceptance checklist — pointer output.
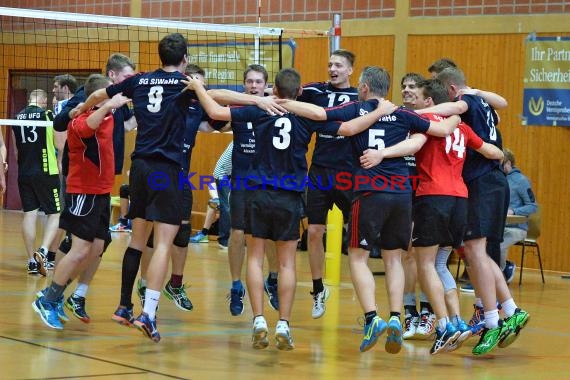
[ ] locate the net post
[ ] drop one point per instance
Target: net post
(335, 33)
(333, 246)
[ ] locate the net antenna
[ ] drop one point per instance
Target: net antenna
(335, 33)
(36, 46)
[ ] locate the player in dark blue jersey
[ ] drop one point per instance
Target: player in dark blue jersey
(332, 155)
(275, 205)
(161, 110)
(487, 209)
(254, 83)
(381, 210)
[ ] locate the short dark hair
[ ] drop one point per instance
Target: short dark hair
(66, 80)
(377, 79)
(95, 82)
(194, 69)
(440, 65)
(413, 76)
(288, 83)
(509, 156)
(172, 49)
(434, 89)
(350, 57)
(118, 61)
(257, 68)
(452, 75)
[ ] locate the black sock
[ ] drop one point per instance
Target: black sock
(425, 306)
(123, 221)
(54, 292)
(410, 310)
(318, 286)
(51, 256)
(368, 317)
(205, 231)
(395, 314)
(272, 278)
(131, 263)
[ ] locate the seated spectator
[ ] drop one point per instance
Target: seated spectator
(522, 202)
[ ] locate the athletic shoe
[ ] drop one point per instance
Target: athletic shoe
(148, 327)
(223, 246)
(179, 296)
(410, 326)
(394, 336)
(371, 333)
(59, 305)
(465, 333)
(124, 316)
(76, 304)
(32, 267)
(199, 237)
(478, 316)
(47, 312)
(283, 336)
(236, 301)
(490, 338)
(478, 328)
(426, 326)
(50, 265)
(467, 288)
(509, 271)
(41, 259)
(120, 227)
(273, 294)
(259, 335)
(444, 338)
(516, 323)
(319, 300)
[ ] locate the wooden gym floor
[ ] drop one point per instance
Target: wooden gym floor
(208, 343)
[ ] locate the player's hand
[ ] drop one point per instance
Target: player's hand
(118, 101)
(371, 158)
(76, 111)
(192, 83)
(386, 107)
(270, 105)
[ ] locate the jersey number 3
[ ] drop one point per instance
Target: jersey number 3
(284, 128)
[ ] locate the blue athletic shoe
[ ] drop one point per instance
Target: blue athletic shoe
(199, 237)
(465, 333)
(444, 338)
(394, 338)
(271, 291)
(124, 316)
(148, 327)
(47, 312)
(60, 311)
(371, 333)
(236, 301)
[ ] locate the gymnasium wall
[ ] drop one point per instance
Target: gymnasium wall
(409, 35)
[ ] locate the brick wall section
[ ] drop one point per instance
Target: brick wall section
(486, 7)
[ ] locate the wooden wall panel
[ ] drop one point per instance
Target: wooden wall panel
(496, 63)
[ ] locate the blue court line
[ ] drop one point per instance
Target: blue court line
(143, 370)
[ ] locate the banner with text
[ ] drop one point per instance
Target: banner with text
(224, 63)
(547, 82)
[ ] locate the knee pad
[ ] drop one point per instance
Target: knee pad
(124, 191)
(183, 235)
(65, 244)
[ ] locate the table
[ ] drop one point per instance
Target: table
(516, 219)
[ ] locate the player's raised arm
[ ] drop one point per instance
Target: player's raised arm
(446, 109)
(491, 152)
(445, 127)
(495, 100)
(93, 99)
(361, 123)
(310, 111)
(408, 147)
(212, 108)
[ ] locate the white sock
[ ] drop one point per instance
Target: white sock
(442, 323)
(81, 290)
(478, 302)
(509, 307)
(151, 302)
(492, 319)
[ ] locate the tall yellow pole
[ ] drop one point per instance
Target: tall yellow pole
(334, 246)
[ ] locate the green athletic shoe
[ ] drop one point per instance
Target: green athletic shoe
(516, 322)
(490, 338)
